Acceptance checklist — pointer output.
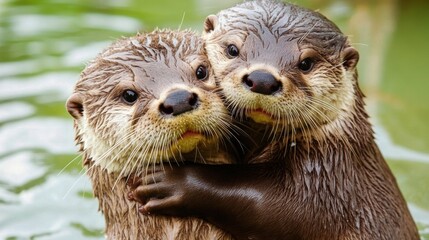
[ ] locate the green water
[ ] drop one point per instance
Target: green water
(44, 194)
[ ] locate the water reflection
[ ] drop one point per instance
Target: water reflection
(44, 46)
(15, 110)
(44, 211)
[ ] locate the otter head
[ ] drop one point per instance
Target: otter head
(281, 65)
(147, 99)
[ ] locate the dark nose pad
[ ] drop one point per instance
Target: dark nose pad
(262, 82)
(178, 102)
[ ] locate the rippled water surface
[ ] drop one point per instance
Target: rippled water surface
(43, 47)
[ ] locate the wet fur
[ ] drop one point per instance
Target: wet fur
(124, 221)
(335, 184)
(119, 140)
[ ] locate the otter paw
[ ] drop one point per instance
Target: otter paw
(170, 206)
(134, 181)
(160, 193)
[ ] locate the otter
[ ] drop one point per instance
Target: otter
(291, 72)
(145, 100)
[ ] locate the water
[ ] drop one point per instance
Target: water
(43, 47)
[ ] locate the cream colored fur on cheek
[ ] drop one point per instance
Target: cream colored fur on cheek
(108, 154)
(345, 100)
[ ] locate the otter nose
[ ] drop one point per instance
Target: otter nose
(262, 82)
(178, 102)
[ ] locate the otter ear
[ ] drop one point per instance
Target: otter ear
(74, 105)
(210, 23)
(350, 57)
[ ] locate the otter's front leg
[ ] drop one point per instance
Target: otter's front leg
(167, 191)
(236, 198)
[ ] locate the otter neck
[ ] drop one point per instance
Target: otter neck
(339, 161)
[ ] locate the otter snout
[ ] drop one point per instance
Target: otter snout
(262, 82)
(178, 102)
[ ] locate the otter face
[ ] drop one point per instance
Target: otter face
(147, 99)
(281, 65)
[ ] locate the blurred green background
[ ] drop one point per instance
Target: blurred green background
(44, 194)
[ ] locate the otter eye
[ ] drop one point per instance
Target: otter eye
(201, 72)
(306, 65)
(129, 96)
(232, 51)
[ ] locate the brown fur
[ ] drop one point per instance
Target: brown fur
(120, 140)
(124, 221)
(336, 184)
(325, 177)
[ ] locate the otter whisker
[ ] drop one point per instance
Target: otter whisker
(324, 104)
(297, 117)
(199, 156)
(114, 147)
(73, 185)
(343, 137)
(311, 123)
(237, 111)
(127, 163)
(137, 157)
(311, 116)
(274, 130)
(69, 163)
(84, 171)
(232, 132)
(310, 126)
(143, 160)
(293, 128)
(118, 154)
